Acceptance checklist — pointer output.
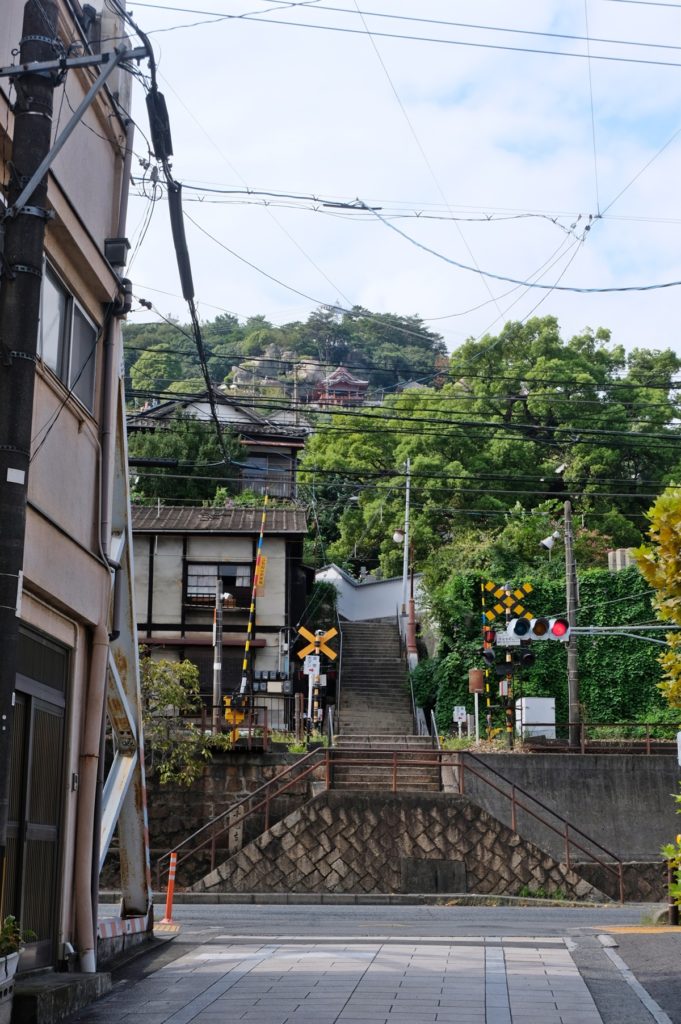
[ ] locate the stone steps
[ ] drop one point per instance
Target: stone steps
(375, 695)
(390, 741)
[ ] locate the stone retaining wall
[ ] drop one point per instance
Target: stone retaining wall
(382, 843)
(177, 811)
(643, 882)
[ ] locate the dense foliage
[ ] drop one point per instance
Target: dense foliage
(660, 563)
(382, 348)
(525, 421)
(199, 470)
(618, 675)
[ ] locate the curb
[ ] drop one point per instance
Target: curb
(292, 899)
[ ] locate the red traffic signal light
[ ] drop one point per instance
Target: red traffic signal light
(559, 629)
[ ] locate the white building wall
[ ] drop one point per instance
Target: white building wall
(373, 599)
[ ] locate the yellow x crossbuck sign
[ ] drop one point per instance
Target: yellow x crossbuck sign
(507, 600)
(317, 643)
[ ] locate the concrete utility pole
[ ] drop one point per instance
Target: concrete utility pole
(405, 553)
(22, 265)
(571, 594)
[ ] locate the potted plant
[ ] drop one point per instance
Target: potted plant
(12, 941)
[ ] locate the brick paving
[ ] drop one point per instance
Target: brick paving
(416, 980)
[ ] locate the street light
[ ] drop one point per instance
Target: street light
(549, 541)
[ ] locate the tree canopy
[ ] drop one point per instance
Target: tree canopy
(199, 466)
(524, 421)
(382, 348)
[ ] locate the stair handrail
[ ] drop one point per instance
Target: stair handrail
(567, 825)
(367, 756)
(308, 759)
(339, 670)
(544, 807)
(329, 726)
(392, 760)
(435, 733)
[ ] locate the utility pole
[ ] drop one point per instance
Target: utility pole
(571, 595)
(20, 284)
(405, 553)
(217, 657)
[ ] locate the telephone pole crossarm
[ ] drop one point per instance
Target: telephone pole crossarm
(39, 67)
(112, 62)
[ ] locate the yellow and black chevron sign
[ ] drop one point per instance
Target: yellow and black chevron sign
(507, 600)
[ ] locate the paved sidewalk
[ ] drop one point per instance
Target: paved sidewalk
(411, 980)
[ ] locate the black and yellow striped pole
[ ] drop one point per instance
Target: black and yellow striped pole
(488, 698)
(251, 612)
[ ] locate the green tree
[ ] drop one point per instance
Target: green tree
(170, 699)
(200, 469)
(525, 420)
(154, 372)
(660, 562)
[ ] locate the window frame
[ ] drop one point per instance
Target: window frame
(62, 365)
(204, 597)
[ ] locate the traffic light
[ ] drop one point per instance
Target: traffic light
(519, 627)
(521, 658)
(541, 628)
(489, 656)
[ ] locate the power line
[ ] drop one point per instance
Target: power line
(454, 378)
(515, 280)
(264, 19)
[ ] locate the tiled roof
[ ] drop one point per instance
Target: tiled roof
(179, 519)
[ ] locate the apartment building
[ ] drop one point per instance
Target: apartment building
(77, 662)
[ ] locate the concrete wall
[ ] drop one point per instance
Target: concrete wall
(623, 801)
(375, 599)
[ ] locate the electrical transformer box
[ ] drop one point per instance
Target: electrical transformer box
(536, 716)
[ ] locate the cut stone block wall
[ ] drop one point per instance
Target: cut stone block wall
(176, 811)
(644, 882)
(368, 843)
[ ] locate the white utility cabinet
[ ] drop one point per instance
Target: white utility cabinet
(536, 716)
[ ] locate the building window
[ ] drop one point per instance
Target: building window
(68, 339)
(263, 474)
(202, 578)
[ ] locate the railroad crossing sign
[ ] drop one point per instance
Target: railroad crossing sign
(508, 600)
(317, 643)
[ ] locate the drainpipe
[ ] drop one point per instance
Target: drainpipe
(88, 825)
(87, 796)
(110, 371)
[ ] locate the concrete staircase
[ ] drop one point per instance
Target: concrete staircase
(416, 775)
(375, 699)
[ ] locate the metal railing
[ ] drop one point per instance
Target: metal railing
(329, 726)
(323, 760)
(615, 737)
(339, 671)
(206, 837)
(519, 797)
(434, 731)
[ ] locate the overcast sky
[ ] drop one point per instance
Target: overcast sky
(487, 154)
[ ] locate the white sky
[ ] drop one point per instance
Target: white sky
(422, 127)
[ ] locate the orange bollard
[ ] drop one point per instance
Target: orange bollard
(168, 919)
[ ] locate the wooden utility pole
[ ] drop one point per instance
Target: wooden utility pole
(20, 285)
(571, 595)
